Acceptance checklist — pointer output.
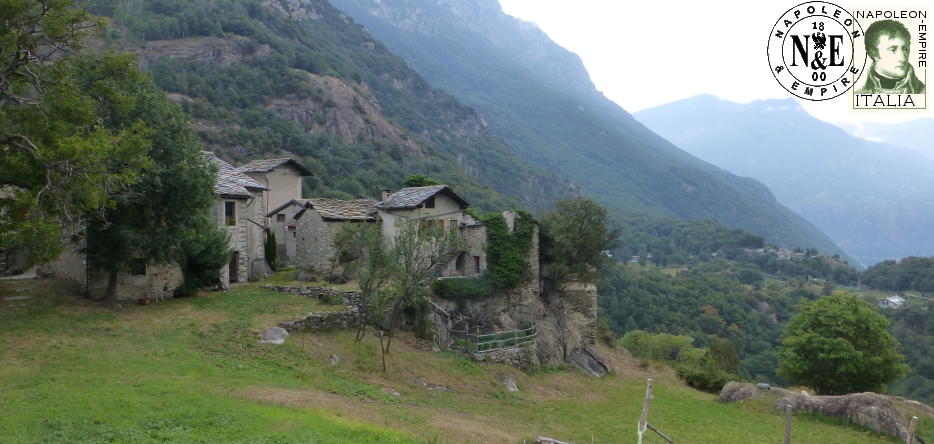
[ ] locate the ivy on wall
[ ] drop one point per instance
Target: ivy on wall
(507, 251)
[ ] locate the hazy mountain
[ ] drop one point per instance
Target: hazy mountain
(539, 98)
(916, 134)
(875, 200)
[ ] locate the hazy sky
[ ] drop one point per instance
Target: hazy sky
(646, 53)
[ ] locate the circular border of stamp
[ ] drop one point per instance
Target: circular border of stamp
(828, 79)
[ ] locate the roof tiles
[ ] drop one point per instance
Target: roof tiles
(352, 210)
(414, 196)
(231, 182)
(265, 166)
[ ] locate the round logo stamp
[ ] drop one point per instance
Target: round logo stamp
(813, 52)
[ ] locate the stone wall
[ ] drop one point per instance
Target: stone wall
(349, 298)
(322, 320)
(523, 357)
(314, 242)
(247, 236)
(159, 281)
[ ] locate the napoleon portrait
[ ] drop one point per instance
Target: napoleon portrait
(888, 44)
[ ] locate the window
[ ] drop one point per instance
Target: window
(280, 218)
(138, 267)
(430, 202)
(230, 213)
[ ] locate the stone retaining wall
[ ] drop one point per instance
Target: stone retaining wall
(524, 357)
(322, 320)
(350, 298)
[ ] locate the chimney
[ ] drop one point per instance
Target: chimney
(386, 193)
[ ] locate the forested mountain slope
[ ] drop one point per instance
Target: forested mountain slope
(539, 98)
(272, 79)
(874, 200)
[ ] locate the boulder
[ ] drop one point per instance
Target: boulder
(623, 351)
(591, 361)
(273, 335)
(510, 384)
(260, 269)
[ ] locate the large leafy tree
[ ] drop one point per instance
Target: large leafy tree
(575, 236)
(167, 205)
(54, 147)
(839, 344)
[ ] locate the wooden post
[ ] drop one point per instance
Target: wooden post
(645, 410)
(911, 430)
(787, 424)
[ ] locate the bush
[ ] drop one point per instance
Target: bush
(271, 249)
(660, 347)
(605, 334)
(461, 291)
(202, 260)
(704, 377)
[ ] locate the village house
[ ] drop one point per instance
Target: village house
(316, 222)
(282, 178)
(441, 203)
(241, 210)
(892, 302)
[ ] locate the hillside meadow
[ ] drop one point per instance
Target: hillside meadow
(192, 370)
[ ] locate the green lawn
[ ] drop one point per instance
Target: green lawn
(192, 370)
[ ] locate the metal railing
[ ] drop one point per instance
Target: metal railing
(476, 342)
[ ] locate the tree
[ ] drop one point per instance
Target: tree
(575, 237)
(418, 247)
(169, 203)
(828, 289)
(52, 142)
(839, 344)
(204, 253)
(271, 248)
(420, 180)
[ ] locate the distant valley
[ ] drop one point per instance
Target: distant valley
(875, 200)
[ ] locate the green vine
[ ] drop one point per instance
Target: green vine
(507, 251)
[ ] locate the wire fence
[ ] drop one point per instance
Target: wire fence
(454, 334)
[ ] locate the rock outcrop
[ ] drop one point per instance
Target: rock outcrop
(871, 410)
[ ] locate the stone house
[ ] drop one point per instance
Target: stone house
(281, 221)
(316, 222)
(241, 210)
(441, 203)
(282, 178)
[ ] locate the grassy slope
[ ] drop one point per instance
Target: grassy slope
(193, 371)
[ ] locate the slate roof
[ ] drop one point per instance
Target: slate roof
(413, 197)
(299, 202)
(352, 210)
(265, 166)
(231, 182)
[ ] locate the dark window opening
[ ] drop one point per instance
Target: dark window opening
(430, 202)
(230, 213)
(138, 267)
(476, 264)
(280, 218)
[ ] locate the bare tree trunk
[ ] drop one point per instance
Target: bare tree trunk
(392, 322)
(383, 351)
(110, 298)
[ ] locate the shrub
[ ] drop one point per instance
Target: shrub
(660, 347)
(704, 377)
(605, 334)
(462, 291)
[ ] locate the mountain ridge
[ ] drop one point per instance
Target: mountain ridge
(868, 196)
(572, 130)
